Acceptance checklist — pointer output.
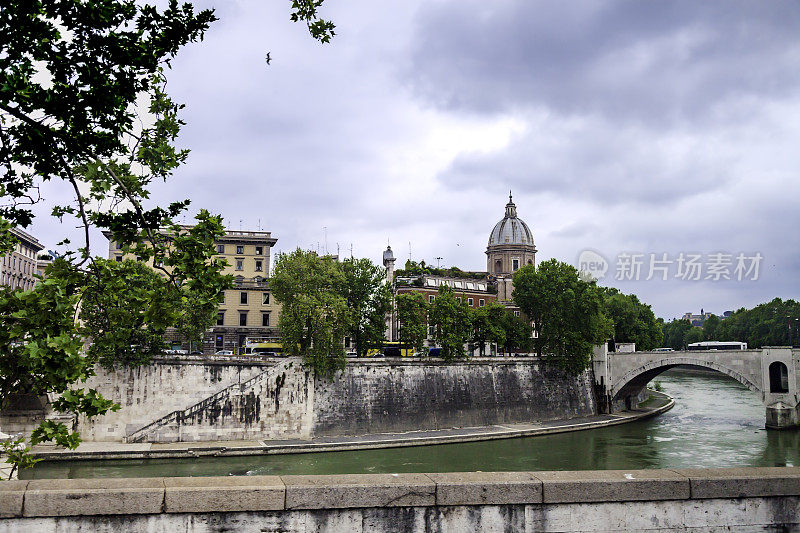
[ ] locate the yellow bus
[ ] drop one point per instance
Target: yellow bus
(391, 349)
(267, 347)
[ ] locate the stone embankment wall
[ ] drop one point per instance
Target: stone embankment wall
(271, 405)
(149, 392)
(742, 499)
(378, 396)
(173, 400)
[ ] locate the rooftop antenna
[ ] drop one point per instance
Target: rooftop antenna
(351, 250)
(337, 249)
(409, 250)
(325, 237)
(438, 259)
(259, 224)
(240, 224)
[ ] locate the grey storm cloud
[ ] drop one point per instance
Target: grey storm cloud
(631, 60)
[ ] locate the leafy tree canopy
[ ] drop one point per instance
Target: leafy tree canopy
(369, 299)
(451, 321)
(412, 314)
(71, 74)
(314, 314)
(633, 320)
(412, 268)
(489, 325)
(566, 312)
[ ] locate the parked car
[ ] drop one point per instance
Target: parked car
(435, 352)
(351, 354)
(223, 352)
(195, 352)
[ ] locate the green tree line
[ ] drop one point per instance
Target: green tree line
(324, 301)
(774, 323)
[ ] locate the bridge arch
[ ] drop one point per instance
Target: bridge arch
(636, 379)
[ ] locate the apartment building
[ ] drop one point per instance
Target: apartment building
(19, 267)
(249, 310)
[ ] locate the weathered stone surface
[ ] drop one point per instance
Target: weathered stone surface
(11, 495)
(67, 497)
(779, 513)
(387, 396)
(363, 490)
(493, 488)
(228, 493)
(743, 482)
(613, 486)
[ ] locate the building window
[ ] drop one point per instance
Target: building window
(243, 298)
(259, 264)
(431, 331)
(118, 258)
(470, 301)
(515, 262)
(240, 264)
(264, 298)
(259, 250)
(220, 248)
(265, 319)
(460, 300)
(242, 319)
(516, 313)
(221, 318)
(430, 298)
(218, 342)
(240, 250)
(481, 302)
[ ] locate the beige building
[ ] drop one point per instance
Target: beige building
(248, 311)
(19, 268)
(510, 248)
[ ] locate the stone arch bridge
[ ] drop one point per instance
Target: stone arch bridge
(770, 372)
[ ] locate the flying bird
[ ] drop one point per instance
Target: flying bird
(268, 58)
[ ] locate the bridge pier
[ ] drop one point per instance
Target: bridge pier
(782, 416)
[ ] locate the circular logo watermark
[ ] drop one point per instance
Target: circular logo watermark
(592, 265)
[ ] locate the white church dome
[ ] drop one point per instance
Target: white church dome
(511, 230)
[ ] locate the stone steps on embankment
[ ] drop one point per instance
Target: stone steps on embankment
(167, 428)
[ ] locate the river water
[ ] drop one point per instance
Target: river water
(716, 422)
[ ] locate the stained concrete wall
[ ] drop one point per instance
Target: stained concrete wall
(174, 401)
(377, 396)
(742, 499)
(274, 404)
(149, 392)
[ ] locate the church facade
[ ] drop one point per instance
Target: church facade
(510, 247)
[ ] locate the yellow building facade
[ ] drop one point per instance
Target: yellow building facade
(249, 311)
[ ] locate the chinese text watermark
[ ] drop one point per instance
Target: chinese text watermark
(635, 266)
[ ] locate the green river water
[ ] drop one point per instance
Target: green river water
(716, 422)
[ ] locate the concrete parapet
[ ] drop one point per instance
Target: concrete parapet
(73, 497)
(743, 482)
(359, 490)
(613, 485)
(654, 500)
(11, 497)
(487, 488)
(223, 494)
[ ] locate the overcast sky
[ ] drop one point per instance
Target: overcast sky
(621, 127)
